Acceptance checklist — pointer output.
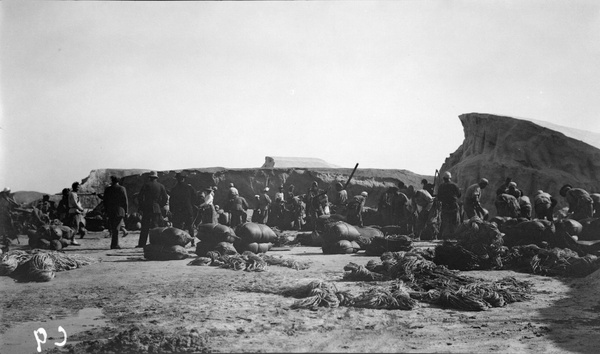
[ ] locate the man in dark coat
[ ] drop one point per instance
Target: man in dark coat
(181, 204)
(151, 199)
(449, 194)
(237, 206)
(115, 205)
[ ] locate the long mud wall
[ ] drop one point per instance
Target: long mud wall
(250, 182)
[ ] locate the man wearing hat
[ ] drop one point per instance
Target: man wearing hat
(581, 204)
(449, 194)
(116, 206)
(472, 200)
(181, 203)
(151, 199)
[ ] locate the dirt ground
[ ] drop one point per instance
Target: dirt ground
(137, 297)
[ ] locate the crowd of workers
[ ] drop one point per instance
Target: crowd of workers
(413, 210)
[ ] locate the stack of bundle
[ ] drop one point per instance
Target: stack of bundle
(416, 280)
(211, 235)
(39, 265)
(50, 237)
(479, 246)
(392, 243)
(554, 262)
(167, 243)
(340, 238)
(436, 284)
(255, 238)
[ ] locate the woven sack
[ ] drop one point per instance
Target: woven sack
(340, 231)
(164, 253)
(340, 247)
(573, 227)
(170, 236)
(591, 229)
(367, 233)
(215, 233)
(256, 248)
(56, 245)
(252, 232)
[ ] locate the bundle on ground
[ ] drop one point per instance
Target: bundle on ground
(247, 261)
(554, 262)
(284, 262)
(436, 284)
(479, 246)
(392, 243)
(17, 264)
(39, 267)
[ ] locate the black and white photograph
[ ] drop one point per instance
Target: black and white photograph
(411, 176)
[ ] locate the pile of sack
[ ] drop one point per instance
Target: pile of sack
(339, 237)
(167, 243)
(250, 236)
(50, 237)
(253, 237)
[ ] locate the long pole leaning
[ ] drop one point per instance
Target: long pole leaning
(351, 175)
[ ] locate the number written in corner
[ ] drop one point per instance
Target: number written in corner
(41, 336)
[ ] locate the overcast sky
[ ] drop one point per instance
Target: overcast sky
(174, 85)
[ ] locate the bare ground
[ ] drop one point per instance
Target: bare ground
(162, 297)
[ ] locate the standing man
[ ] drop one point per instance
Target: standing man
(237, 206)
(543, 204)
(76, 210)
(314, 209)
(264, 203)
(207, 208)
(181, 204)
(472, 200)
(152, 198)
(116, 205)
(580, 202)
(384, 207)
(449, 194)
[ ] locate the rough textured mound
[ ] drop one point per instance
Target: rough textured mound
(497, 147)
(252, 181)
(300, 162)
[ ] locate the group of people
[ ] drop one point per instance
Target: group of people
(412, 210)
